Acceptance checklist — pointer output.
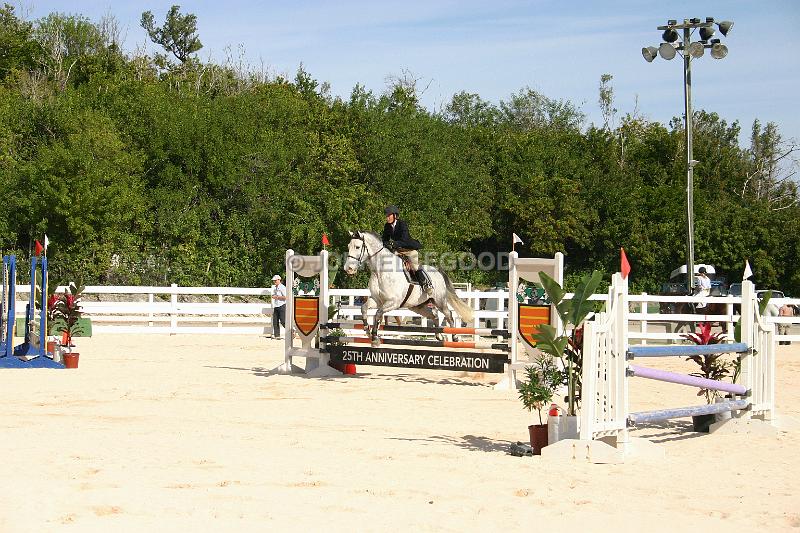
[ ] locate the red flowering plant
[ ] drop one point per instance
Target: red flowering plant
(66, 310)
(712, 366)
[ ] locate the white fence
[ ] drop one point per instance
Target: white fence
(130, 309)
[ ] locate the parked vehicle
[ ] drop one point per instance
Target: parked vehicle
(736, 290)
(677, 281)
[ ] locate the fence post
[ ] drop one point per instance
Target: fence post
(173, 310)
(219, 316)
(644, 311)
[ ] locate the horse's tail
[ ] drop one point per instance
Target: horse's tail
(463, 310)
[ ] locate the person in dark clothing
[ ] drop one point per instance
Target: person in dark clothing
(397, 238)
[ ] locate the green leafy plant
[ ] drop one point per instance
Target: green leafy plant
(543, 378)
(334, 335)
(67, 311)
(568, 347)
(712, 366)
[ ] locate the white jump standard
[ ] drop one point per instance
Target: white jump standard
(606, 421)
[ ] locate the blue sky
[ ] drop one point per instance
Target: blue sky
(496, 48)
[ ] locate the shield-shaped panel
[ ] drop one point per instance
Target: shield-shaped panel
(530, 317)
(306, 313)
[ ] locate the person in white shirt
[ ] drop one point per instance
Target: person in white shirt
(702, 286)
(278, 306)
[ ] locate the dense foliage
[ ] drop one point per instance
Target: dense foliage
(145, 171)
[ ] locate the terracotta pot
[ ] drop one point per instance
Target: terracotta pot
(538, 434)
(51, 347)
(71, 360)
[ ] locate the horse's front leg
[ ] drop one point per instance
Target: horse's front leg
(375, 324)
(365, 314)
(381, 309)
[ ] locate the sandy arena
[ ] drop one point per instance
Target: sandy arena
(194, 433)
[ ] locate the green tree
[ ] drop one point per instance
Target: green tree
(20, 51)
(177, 36)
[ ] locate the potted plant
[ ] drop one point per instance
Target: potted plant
(567, 345)
(543, 378)
(712, 366)
(66, 315)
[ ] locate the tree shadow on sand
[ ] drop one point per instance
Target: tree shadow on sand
(472, 443)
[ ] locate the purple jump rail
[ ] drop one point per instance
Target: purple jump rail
(686, 351)
(683, 379)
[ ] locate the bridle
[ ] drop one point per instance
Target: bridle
(364, 251)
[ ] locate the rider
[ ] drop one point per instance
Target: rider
(702, 286)
(397, 239)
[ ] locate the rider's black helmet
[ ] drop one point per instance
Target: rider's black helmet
(392, 210)
(702, 270)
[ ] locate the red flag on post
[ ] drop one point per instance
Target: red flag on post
(38, 248)
(325, 240)
(624, 266)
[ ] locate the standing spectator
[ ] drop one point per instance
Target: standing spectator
(783, 329)
(278, 306)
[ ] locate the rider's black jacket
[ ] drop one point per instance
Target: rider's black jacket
(400, 236)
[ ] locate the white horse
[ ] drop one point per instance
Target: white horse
(389, 288)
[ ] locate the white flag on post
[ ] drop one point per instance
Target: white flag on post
(748, 272)
(516, 239)
(46, 242)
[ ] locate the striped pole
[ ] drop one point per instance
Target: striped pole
(686, 351)
(418, 342)
(486, 332)
(683, 379)
(681, 412)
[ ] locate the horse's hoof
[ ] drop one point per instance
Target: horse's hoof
(375, 343)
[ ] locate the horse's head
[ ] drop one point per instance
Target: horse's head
(357, 252)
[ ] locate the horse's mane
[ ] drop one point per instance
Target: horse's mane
(372, 234)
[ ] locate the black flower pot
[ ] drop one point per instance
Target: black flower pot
(701, 423)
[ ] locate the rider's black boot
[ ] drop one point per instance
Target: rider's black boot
(425, 281)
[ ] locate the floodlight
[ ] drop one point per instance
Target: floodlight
(718, 50)
(666, 51)
(706, 33)
(696, 49)
(725, 26)
(649, 53)
(670, 35)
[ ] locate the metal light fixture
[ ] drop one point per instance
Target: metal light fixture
(696, 49)
(673, 44)
(669, 35)
(666, 51)
(706, 33)
(718, 50)
(649, 53)
(724, 27)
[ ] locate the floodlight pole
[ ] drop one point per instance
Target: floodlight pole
(718, 52)
(687, 93)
